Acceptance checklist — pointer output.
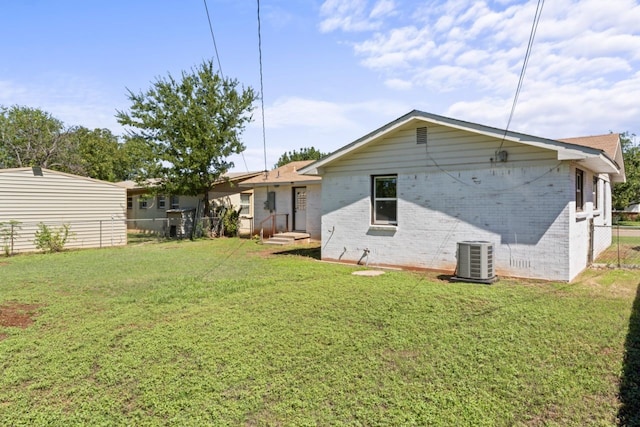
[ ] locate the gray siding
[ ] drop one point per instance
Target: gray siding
(445, 147)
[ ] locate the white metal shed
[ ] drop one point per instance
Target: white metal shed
(94, 210)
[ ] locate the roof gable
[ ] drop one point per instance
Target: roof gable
(609, 143)
(592, 156)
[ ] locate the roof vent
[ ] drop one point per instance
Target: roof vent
(421, 135)
(37, 171)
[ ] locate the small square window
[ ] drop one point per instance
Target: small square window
(142, 203)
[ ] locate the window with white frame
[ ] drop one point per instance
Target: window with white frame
(129, 202)
(161, 201)
(579, 190)
(142, 203)
(175, 202)
(245, 204)
(384, 202)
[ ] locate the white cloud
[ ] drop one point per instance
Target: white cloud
(382, 8)
(397, 49)
(75, 101)
(398, 84)
(323, 116)
(10, 92)
(468, 55)
(354, 15)
(293, 123)
(570, 110)
(299, 112)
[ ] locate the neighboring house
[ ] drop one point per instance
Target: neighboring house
(94, 210)
(286, 201)
(633, 208)
(152, 212)
(407, 193)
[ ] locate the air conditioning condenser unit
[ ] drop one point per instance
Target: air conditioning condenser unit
(475, 262)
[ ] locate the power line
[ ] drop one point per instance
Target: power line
(532, 35)
(264, 136)
(215, 47)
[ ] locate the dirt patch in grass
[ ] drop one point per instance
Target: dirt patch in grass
(15, 314)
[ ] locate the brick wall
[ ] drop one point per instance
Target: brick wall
(524, 211)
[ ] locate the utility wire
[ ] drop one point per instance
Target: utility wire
(215, 47)
(532, 35)
(264, 136)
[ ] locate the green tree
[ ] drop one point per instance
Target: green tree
(192, 125)
(101, 156)
(32, 137)
(629, 191)
(139, 159)
(304, 154)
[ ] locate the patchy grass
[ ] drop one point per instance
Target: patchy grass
(624, 248)
(135, 237)
(228, 332)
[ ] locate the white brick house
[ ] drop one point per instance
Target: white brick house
(406, 193)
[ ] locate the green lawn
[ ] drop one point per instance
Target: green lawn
(627, 223)
(229, 332)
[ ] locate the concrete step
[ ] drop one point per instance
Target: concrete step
(289, 238)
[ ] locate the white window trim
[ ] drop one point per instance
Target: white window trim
(579, 172)
(374, 220)
(248, 205)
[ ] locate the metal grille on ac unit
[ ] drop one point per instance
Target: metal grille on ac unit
(475, 262)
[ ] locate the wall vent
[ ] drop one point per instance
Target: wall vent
(475, 262)
(421, 135)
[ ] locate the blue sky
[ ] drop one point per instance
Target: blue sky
(334, 70)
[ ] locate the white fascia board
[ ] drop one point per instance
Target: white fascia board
(566, 154)
(602, 164)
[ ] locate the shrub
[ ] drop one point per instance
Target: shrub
(8, 234)
(51, 240)
(231, 220)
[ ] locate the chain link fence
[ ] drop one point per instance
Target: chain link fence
(183, 225)
(624, 250)
(18, 237)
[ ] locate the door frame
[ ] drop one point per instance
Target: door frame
(294, 208)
